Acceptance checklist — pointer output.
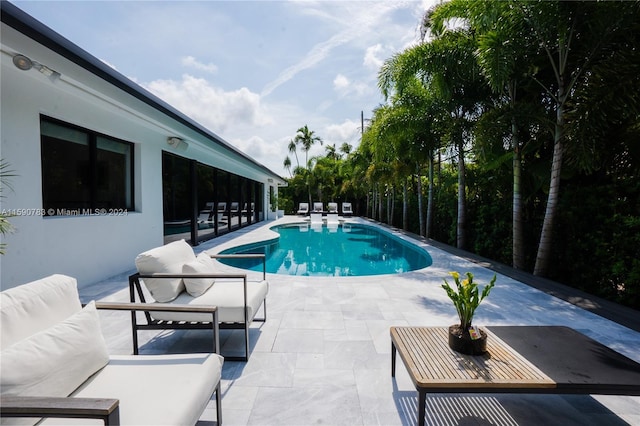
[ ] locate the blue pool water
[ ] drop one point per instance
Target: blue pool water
(348, 250)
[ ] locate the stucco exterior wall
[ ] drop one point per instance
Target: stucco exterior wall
(87, 247)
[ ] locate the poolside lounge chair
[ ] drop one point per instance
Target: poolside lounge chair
(235, 208)
(222, 212)
(346, 209)
(332, 221)
(318, 207)
(206, 214)
(332, 208)
(303, 209)
(316, 221)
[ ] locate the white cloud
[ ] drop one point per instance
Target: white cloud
(191, 62)
(348, 131)
(341, 82)
(345, 87)
(373, 58)
(211, 106)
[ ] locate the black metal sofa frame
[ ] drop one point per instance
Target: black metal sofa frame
(136, 294)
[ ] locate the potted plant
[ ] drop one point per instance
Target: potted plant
(273, 204)
(464, 337)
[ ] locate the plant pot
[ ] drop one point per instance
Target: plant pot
(461, 341)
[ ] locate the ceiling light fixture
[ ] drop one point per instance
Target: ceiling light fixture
(177, 143)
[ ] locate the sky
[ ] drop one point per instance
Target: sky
(252, 72)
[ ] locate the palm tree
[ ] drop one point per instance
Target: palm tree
(447, 68)
(287, 165)
(307, 139)
(570, 38)
(500, 53)
(293, 150)
(332, 152)
(5, 225)
(346, 148)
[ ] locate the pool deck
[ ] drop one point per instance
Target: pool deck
(323, 356)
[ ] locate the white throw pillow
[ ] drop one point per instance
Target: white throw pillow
(55, 361)
(202, 265)
(167, 259)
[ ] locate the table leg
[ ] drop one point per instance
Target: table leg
(422, 405)
(393, 359)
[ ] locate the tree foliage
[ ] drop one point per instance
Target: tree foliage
(536, 106)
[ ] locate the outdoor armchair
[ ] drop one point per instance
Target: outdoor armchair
(174, 274)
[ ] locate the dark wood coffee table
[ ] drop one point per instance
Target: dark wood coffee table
(519, 359)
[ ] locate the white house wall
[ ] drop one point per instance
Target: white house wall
(90, 248)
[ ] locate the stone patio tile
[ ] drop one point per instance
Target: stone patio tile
(291, 340)
(306, 406)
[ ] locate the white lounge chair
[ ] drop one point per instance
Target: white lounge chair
(332, 222)
(346, 209)
(235, 208)
(316, 221)
(332, 208)
(222, 212)
(206, 214)
(318, 207)
(303, 209)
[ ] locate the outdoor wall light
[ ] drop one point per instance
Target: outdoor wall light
(22, 62)
(25, 64)
(177, 143)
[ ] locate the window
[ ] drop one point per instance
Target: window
(84, 172)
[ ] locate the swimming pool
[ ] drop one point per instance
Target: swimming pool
(345, 250)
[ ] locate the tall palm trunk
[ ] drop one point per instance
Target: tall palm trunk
(391, 203)
(462, 196)
(405, 206)
(420, 200)
(380, 201)
(546, 237)
(518, 242)
(429, 220)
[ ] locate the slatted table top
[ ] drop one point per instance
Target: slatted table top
(432, 364)
(532, 359)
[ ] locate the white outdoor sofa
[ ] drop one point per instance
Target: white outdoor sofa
(55, 366)
(174, 274)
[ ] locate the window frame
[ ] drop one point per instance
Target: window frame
(95, 206)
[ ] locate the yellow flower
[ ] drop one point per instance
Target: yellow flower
(455, 275)
(465, 282)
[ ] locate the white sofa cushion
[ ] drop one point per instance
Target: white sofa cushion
(228, 296)
(202, 265)
(165, 259)
(55, 361)
(36, 306)
(154, 389)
